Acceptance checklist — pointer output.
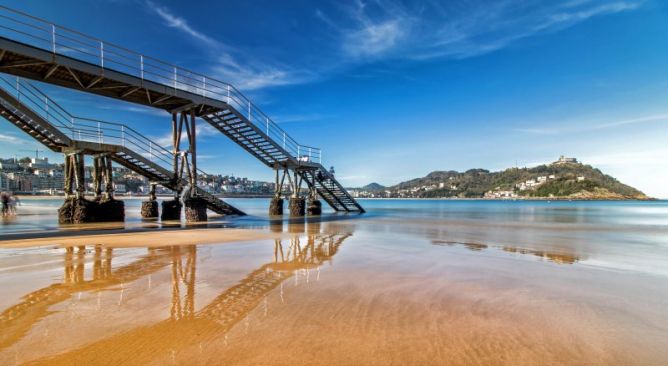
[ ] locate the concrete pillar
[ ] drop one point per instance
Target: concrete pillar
(276, 206)
(76, 211)
(195, 209)
(314, 207)
(297, 206)
(79, 210)
(110, 210)
(149, 209)
(171, 210)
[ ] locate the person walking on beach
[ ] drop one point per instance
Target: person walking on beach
(13, 203)
(4, 197)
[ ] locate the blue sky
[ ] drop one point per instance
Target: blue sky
(393, 90)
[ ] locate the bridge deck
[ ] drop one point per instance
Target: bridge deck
(35, 49)
(21, 104)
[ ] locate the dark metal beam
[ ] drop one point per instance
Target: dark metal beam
(51, 71)
(94, 81)
(161, 99)
(130, 91)
(22, 63)
(76, 78)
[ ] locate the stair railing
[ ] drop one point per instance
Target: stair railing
(63, 41)
(84, 129)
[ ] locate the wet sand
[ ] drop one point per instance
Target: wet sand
(370, 290)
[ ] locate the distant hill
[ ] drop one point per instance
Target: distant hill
(570, 180)
(373, 187)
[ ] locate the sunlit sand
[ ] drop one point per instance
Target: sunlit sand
(353, 291)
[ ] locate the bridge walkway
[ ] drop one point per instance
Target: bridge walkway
(25, 106)
(34, 48)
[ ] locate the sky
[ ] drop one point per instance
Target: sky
(392, 90)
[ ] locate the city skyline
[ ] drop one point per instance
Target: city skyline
(393, 92)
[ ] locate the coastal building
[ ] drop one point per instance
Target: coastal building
(500, 194)
(7, 164)
(4, 182)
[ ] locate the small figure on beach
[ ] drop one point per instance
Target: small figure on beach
(14, 202)
(9, 204)
(5, 198)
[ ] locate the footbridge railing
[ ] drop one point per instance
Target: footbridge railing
(60, 40)
(84, 129)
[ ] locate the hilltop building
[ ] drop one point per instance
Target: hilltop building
(565, 160)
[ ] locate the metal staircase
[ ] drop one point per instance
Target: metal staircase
(29, 109)
(331, 190)
(283, 151)
(33, 48)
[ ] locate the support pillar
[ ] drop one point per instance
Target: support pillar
(185, 171)
(149, 208)
(107, 209)
(75, 209)
(276, 204)
(297, 203)
(314, 206)
(297, 206)
(195, 209)
(171, 210)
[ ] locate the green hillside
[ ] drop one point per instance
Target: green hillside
(568, 180)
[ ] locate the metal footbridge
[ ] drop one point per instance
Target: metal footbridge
(32, 111)
(36, 49)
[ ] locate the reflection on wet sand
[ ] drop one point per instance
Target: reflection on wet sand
(186, 325)
(17, 320)
(556, 257)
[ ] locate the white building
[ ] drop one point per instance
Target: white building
(565, 160)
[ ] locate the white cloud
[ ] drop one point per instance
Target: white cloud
(7, 138)
(455, 29)
(373, 39)
(179, 23)
(251, 76)
(247, 74)
(583, 126)
(578, 16)
(484, 29)
(10, 139)
(367, 32)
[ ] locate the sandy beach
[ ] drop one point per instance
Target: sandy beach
(372, 289)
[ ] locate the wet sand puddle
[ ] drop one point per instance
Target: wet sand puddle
(343, 292)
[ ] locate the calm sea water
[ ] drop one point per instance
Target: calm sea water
(631, 235)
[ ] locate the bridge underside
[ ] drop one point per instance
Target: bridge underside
(19, 104)
(37, 64)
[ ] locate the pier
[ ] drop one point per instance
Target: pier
(32, 48)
